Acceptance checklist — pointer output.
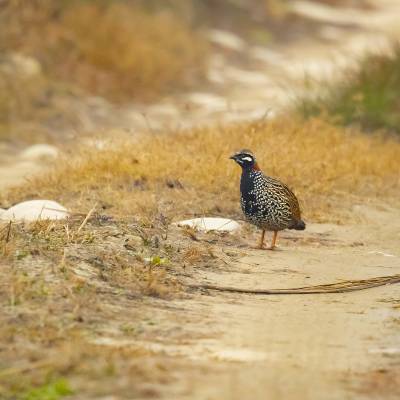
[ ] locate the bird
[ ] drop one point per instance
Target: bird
(266, 202)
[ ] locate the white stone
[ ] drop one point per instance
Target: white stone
(39, 152)
(34, 210)
(210, 224)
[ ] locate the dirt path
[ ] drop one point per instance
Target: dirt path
(311, 346)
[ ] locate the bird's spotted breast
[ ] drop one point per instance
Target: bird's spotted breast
(266, 202)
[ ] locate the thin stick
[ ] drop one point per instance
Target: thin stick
(89, 214)
(342, 287)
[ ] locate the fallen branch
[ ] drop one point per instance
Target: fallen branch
(340, 287)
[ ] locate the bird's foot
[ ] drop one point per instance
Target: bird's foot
(258, 247)
(270, 248)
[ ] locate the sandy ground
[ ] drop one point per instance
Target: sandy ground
(308, 346)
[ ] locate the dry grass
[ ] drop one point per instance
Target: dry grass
(189, 173)
(131, 53)
(45, 350)
(65, 286)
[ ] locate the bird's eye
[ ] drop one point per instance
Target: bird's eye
(246, 158)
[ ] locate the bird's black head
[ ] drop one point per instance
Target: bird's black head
(246, 159)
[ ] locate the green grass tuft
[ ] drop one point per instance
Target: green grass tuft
(367, 96)
(51, 391)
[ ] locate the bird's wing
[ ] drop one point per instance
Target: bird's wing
(288, 195)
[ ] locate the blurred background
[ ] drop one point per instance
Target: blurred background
(74, 66)
(81, 68)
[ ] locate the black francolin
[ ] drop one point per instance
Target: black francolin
(266, 202)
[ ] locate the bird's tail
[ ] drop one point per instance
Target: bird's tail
(298, 225)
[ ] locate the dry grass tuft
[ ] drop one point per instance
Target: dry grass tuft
(318, 160)
(64, 288)
(130, 54)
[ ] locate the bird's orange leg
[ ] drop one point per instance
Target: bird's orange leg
(273, 244)
(261, 245)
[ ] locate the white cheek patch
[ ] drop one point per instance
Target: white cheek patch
(247, 159)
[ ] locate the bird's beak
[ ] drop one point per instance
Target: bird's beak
(232, 157)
